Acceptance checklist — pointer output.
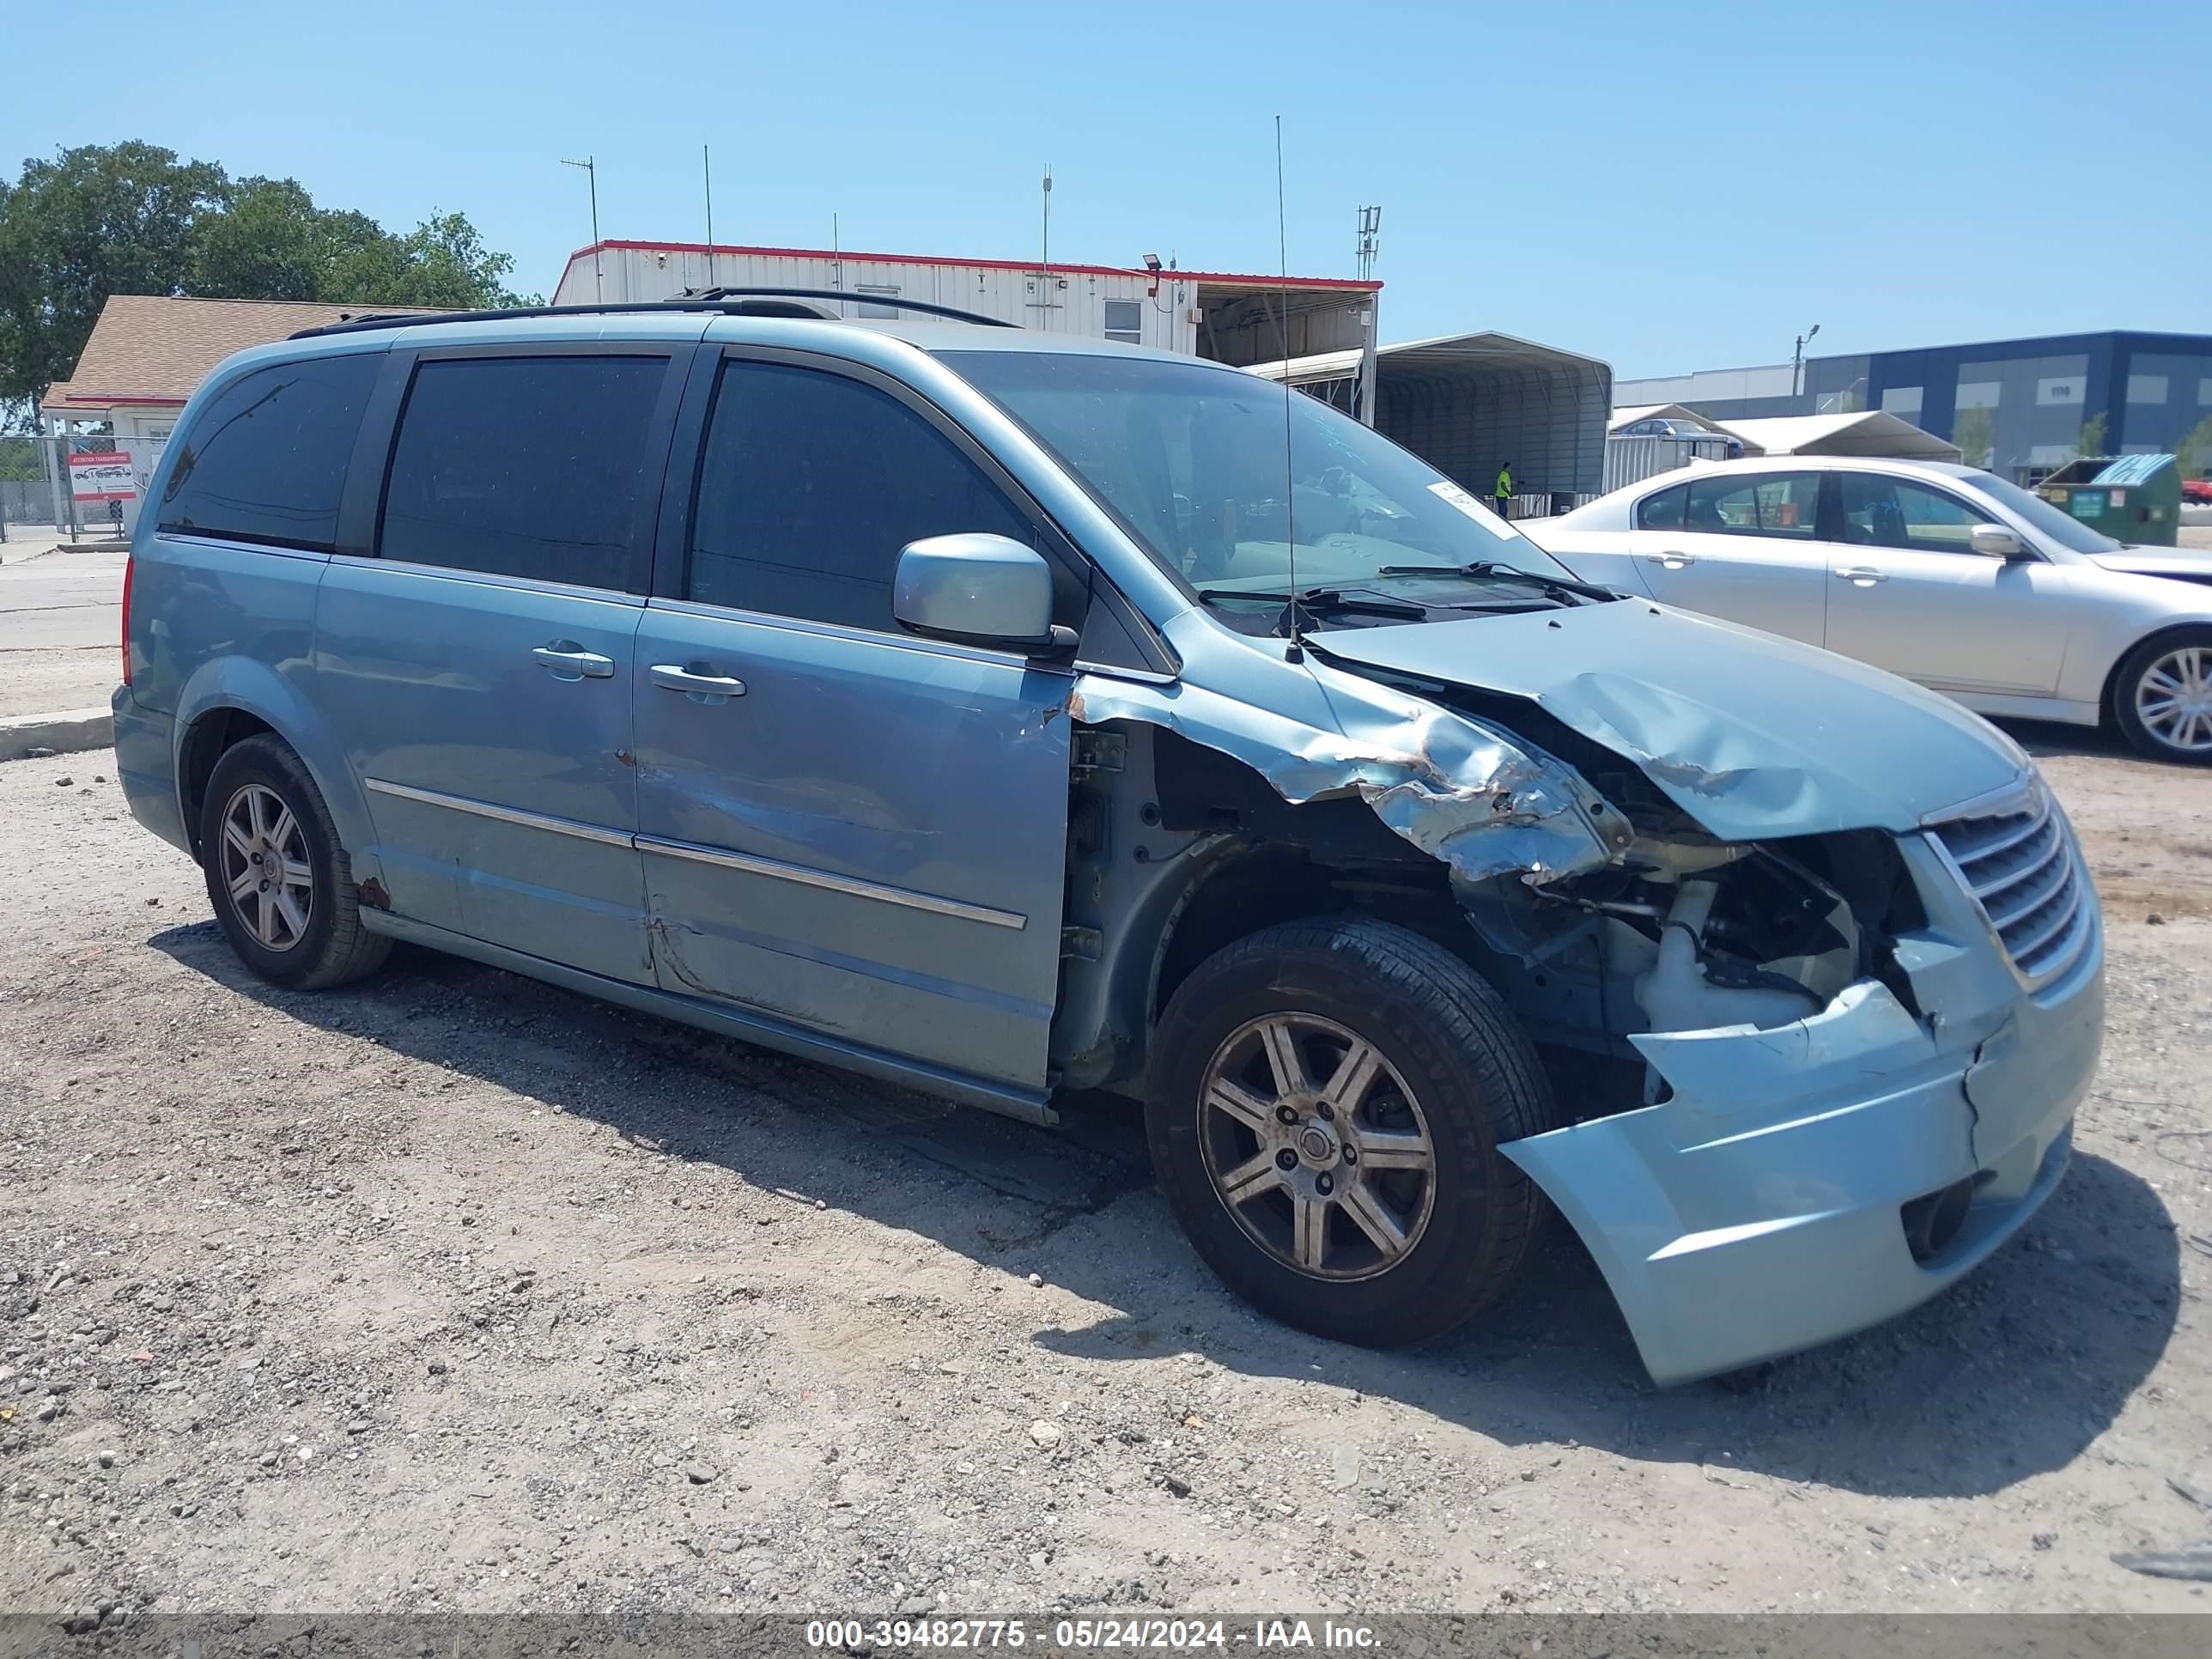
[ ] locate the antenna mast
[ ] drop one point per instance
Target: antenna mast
(1296, 652)
(1370, 231)
(590, 164)
(707, 165)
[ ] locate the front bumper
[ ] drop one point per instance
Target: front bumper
(1761, 1208)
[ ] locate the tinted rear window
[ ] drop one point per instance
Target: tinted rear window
(1663, 511)
(526, 466)
(265, 460)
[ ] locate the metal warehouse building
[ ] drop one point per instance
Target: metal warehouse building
(1469, 403)
(1465, 404)
(2015, 406)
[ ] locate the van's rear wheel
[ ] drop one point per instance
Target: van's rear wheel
(281, 884)
(1326, 1105)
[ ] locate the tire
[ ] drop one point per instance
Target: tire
(302, 930)
(1453, 1068)
(2151, 675)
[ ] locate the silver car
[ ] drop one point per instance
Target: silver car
(1010, 717)
(1946, 574)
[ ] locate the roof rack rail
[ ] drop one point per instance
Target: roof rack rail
(847, 296)
(729, 302)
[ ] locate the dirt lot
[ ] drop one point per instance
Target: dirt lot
(455, 1292)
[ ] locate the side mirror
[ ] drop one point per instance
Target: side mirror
(1994, 541)
(977, 589)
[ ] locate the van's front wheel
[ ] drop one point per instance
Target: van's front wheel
(1327, 1102)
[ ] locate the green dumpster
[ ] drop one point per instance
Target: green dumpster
(2133, 498)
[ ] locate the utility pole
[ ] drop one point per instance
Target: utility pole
(1370, 236)
(590, 166)
(1047, 261)
(1797, 361)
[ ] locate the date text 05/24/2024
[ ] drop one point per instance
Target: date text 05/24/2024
(1262, 1634)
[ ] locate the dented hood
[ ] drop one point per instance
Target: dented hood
(1751, 734)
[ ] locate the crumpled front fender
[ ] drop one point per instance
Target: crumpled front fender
(1460, 790)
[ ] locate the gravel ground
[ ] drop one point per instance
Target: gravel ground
(454, 1292)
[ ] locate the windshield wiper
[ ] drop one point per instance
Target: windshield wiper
(1325, 602)
(1552, 585)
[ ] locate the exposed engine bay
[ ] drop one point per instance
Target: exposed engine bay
(1659, 927)
(1678, 931)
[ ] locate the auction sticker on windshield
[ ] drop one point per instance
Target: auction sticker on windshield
(1460, 498)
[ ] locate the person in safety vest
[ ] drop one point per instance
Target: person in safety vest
(1504, 490)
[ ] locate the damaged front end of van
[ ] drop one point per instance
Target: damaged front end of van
(1826, 943)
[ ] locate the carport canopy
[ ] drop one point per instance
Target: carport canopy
(1467, 403)
(1870, 432)
(1625, 417)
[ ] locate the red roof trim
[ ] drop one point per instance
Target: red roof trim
(107, 399)
(1348, 284)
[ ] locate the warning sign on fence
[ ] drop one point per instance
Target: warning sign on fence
(102, 475)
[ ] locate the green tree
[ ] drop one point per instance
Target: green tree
(131, 218)
(1975, 433)
(2192, 451)
(443, 261)
(2092, 442)
(94, 220)
(266, 243)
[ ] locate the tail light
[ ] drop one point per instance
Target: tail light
(130, 570)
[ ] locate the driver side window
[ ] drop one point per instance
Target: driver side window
(1881, 510)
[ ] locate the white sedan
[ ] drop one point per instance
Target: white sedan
(1950, 576)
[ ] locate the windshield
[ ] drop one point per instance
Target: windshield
(1191, 458)
(2042, 516)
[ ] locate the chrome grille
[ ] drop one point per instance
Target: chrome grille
(2022, 869)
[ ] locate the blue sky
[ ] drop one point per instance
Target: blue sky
(1667, 186)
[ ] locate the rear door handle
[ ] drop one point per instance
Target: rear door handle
(567, 660)
(1672, 561)
(1865, 575)
(696, 684)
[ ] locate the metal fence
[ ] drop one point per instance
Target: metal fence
(44, 496)
(1630, 460)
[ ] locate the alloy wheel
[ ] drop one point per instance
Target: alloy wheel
(2173, 699)
(266, 869)
(1316, 1146)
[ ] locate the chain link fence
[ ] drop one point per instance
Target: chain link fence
(73, 487)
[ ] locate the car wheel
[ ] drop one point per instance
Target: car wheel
(281, 886)
(1325, 1102)
(2162, 696)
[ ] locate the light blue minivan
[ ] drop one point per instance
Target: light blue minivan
(1003, 714)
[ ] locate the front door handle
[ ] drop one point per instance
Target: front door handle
(1672, 561)
(697, 682)
(1864, 575)
(567, 660)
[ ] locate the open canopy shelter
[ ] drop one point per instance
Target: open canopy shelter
(1467, 403)
(1871, 432)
